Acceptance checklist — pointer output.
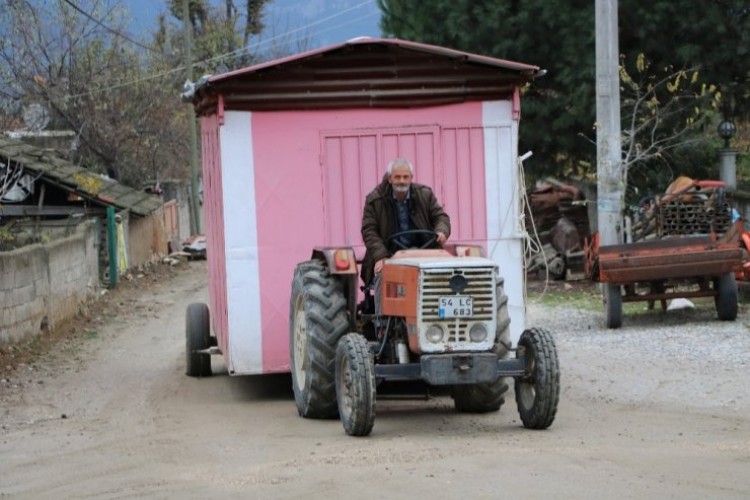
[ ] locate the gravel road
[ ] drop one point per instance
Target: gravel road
(656, 409)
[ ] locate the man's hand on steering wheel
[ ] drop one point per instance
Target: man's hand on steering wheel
(433, 237)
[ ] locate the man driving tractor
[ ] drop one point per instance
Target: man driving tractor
(396, 206)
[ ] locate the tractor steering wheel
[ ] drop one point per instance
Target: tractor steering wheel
(427, 232)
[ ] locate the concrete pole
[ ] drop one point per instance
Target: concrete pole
(195, 213)
(728, 167)
(610, 176)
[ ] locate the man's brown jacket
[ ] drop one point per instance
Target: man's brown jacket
(379, 221)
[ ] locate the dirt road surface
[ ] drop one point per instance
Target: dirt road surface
(112, 415)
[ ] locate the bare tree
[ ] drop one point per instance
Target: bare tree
(77, 60)
(662, 112)
(119, 95)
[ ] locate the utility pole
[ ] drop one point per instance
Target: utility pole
(610, 176)
(195, 213)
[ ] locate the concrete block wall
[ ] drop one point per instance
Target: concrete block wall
(43, 285)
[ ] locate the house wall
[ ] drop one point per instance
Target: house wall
(179, 193)
(282, 183)
(147, 238)
(43, 285)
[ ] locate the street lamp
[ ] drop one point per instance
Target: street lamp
(727, 155)
(726, 131)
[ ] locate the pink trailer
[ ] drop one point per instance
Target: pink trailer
(291, 147)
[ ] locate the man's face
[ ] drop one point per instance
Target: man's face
(400, 179)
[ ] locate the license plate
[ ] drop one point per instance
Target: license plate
(455, 306)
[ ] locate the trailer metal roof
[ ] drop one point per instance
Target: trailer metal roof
(363, 72)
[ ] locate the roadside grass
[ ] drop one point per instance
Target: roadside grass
(588, 299)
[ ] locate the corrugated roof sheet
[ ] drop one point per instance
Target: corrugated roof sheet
(67, 176)
(364, 72)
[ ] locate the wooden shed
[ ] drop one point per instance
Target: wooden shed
(292, 146)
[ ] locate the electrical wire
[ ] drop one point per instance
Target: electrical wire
(111, 30)
(239, 51)
(533, 242)
(227, 55)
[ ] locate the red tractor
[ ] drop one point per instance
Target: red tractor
(444, 321)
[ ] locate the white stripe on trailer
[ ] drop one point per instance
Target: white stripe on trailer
(241, 240)
(504, 240)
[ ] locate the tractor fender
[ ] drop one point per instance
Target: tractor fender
(340, 260)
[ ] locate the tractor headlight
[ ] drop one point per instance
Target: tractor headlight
(478, 332)
(435, 334)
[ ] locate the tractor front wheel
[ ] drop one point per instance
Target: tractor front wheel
(355, 385)
(538, 389)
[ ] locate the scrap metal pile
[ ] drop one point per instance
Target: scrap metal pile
(559, 218)
(688, 207)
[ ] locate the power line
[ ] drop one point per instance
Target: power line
(239, 51)
(111, 30)
(288, 33)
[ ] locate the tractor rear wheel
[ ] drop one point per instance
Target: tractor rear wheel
(483, 398)
(726, 297)
(197, 338)
(613, 302)
(355, 384)
(538, 390)
(318, 319)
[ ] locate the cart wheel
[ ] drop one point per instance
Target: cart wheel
(538, 389)
(197, 338)
(355, 385)
(613, 301)
(726, 297)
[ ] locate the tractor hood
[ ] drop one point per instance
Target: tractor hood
(441, 262)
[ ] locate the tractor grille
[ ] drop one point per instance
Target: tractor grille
(480, 286)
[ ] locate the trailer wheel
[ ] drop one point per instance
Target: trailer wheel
(355, 384)
(483, 398)
(613, 300)
(726, 297)
(538, 390)
(197, 338)
(318, 318)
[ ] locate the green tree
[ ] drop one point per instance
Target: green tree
(558, 35)
(560, 40)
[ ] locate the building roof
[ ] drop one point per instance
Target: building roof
(69, 177)
(364, 72)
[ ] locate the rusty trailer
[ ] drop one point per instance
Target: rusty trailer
(673, 265)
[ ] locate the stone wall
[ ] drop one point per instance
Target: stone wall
(43, 285)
